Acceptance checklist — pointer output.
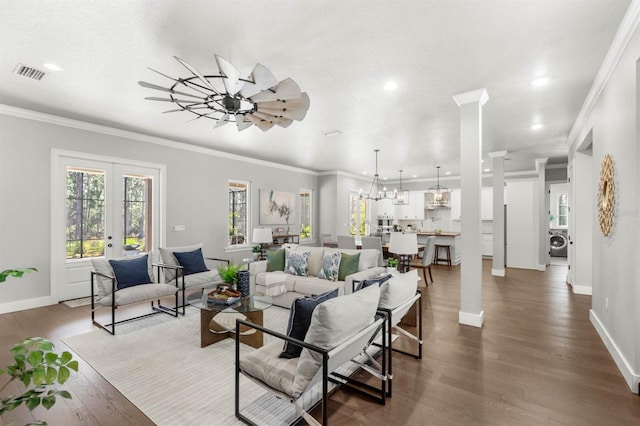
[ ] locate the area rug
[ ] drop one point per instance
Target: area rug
(157, 364)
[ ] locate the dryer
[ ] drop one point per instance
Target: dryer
(558, 242)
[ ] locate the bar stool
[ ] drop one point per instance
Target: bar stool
(447, 252)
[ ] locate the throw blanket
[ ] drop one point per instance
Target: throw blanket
(274, 284)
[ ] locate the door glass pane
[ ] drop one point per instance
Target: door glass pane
(85, 213)
(137, 216)
(238, 209)
(357, 215)
(305, 214)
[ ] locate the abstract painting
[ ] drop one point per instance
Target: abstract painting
(277, 207)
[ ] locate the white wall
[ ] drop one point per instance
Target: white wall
(614, 121)
(196, 192)
(522, 239)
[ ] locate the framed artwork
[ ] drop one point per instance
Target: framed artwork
(277, 207)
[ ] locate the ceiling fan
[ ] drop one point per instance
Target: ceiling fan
(226, 97)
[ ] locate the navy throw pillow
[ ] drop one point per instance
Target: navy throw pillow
(300, 320)
(131, 272)
(379, 281)
(192, 262)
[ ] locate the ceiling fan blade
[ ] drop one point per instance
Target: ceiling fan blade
(222, 121)
(230, 72)
(294, 109)
(154, 98)
(242, 123)
(271, 118)
(198, 74)
(166, 89)
(262, 124)
(286, 89)
(180, 81)
(187, 108)
(262, 79)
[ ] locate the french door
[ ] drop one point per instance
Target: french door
(101, 208)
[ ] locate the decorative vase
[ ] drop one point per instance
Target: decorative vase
(243, 283)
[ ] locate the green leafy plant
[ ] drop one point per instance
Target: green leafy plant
(14, 273)
(392, 262)
(229, 273)
(38, 367)
(255, 249)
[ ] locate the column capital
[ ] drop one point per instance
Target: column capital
(481, 96)
(497, 154)
(540, 163)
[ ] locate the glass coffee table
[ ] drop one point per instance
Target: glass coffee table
(218, 320)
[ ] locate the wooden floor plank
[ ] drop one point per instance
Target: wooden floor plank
(537, 360)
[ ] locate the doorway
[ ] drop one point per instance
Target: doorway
(102, 207)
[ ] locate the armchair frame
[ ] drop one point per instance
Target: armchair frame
(364, 389)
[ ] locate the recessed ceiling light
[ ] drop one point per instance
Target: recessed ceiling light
(447, 173)
(482, 161)
(385, 178)
(364, 173)
(536, 126)
(414, 176)
(53, 67)
(487, 170)
(540, 81)
(391, 85)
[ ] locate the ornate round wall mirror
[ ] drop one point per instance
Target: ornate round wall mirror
(606, 196)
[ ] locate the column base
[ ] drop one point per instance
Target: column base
(474, 320)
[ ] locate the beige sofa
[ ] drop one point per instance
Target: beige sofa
(301, 286)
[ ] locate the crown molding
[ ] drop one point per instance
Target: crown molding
(111, 131)
(616, 50)
(497, 154)
(480, 95)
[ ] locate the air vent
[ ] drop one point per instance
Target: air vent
(29, 72)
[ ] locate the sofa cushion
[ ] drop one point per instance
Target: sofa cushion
(398, 289)
(348, 265)
(313, 285)
(265, 365)
(330, 266)
(167, 256)
(192, 262)
(202, 279)
(296, 263)
(130, 272)
(299, 320)
(139, 293)
(315, 258)
(332, 322)
(275, 260)
(289, 280)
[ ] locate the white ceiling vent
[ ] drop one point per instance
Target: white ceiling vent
(29, 72)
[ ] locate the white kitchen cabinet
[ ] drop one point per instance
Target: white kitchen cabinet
(455, 203)
(487, 203)
(386, 207)
(412, 211)
(487, 244)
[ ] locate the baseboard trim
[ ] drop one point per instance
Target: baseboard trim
(474, 320)
(632, 379)
(21, 305)
(497, 272)
(581, 289)
(542, 268)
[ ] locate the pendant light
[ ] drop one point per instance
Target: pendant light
(400, 195)
(377, 191)
(438, 196)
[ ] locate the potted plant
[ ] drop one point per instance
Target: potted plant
(256, 252)
(229, 273)
(37, 366)
(392, 263)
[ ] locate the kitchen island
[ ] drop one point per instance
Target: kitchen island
(445, 238)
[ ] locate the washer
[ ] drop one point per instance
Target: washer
(558, 242)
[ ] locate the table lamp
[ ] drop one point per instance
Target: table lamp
(262, 236)
(403, 245)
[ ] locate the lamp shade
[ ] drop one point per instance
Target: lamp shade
(400, 243)
(262, 235)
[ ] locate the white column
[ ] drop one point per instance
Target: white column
(543, 215)
(497, 167)
(470, 104)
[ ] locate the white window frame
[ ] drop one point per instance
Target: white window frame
(560, 195)
(308, 192)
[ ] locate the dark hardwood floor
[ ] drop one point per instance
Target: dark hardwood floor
(537, 360)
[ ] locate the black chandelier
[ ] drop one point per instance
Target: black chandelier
(438, 196)
(226, 97)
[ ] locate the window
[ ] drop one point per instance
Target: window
(85, 213)
(137, 214)
(563, 210)
(238, 213)
(357, 214)
(305, 213)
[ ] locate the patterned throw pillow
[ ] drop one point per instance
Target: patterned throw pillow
(330, 266)
(297, 263)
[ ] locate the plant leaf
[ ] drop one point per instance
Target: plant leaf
(66, 357)
(32, 402)
(64, 394)
(63, 374)
(51, 376)
(73, 365)
(35, 358)
(48, 401)
(51, 357)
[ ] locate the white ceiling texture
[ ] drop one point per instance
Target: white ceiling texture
(342, 53)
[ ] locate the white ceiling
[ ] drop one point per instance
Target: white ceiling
(341, 53)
